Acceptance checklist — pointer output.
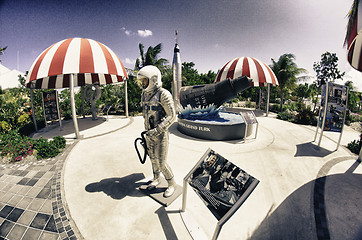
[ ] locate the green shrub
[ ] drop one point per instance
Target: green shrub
(23, 119)
(12, 135)
(355, 145)
(29, 128)
(4, 127)
(274, 108)
(286, 116)
(355, 117)
(249, 104)
(45, 149)
(59, 142)
(306, 117)
(15, 146)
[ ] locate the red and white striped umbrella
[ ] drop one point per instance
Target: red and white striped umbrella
(90, 62)
(354, 41)
(251, 67)
(354, 54)
(356, 28)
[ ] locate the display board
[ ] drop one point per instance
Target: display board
(51, 107)
(263, 95)
(336, 107)
(219, 183)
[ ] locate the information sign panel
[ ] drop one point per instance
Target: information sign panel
(221, 184)
(336, 107)
(50, 105)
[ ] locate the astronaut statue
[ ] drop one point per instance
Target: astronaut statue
(159, 114)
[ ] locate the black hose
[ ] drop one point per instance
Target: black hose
(144, 145)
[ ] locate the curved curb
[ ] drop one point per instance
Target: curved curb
(64, 224)
(320, 214)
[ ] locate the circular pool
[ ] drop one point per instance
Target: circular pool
(228, 126)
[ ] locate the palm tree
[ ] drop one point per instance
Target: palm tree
(151, 58)
(286, 71)
(2, 49)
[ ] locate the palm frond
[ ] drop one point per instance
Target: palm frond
(352, 21)
(157, 49)
(141, 47)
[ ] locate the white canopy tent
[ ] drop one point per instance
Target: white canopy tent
(9, 78)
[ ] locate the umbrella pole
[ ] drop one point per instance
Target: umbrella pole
(126, 96)
(72, 104)
(82, 97)
(32, 109)
(267, 104)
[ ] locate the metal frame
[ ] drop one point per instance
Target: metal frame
(32, 106)
(324, 118)
(45, 117)
(246, 126)
(72, 104)
(58, 111)
(229, 214)
(59, 116)
(344, 119)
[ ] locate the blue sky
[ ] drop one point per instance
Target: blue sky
(210, 32)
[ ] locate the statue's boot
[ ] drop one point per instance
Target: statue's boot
(170, 189)
(154, 182)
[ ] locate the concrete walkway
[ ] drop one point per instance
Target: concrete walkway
(304, 192)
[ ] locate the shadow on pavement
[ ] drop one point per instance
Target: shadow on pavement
(311, 150)
(118, 188)
(68, 127)
(296, 217)
(166, 223)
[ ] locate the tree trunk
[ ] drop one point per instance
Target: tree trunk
(316, 101)
(281, 102)
(315, 104)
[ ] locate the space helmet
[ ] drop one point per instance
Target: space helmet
(153, 75)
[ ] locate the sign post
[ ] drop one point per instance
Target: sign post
(332, 113)
(221, 185)
(51, 108)
(249, 119)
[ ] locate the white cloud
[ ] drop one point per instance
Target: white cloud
(140, 33)
(129, 61)
(144, 33)
(127, 32)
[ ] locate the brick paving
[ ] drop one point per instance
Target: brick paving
(31, 205)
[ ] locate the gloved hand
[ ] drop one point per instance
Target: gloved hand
(152, 133)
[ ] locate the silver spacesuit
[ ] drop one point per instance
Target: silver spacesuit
(159, 114)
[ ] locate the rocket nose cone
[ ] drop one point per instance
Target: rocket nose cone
(176, 49)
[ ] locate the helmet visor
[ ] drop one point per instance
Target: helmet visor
(145, 81)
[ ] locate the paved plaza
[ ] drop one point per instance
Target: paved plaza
(90, 190)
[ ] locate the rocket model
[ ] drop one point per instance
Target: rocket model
(176, 70)
(217, 94)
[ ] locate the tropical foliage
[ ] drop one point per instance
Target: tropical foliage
(16, 146)
(150, 57)
(327, 68)
(2, 49)
(286, 71)
(289, 100)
